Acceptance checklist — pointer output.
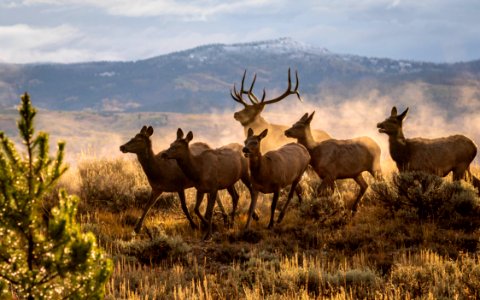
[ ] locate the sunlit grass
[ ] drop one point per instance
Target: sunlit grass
(319, 251)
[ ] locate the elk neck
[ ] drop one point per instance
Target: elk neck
(257, 124)
(307, 140)
(255, 162)
(398, 149)
(189, 166)
(150, 164)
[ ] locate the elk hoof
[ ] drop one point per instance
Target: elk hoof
(137, 229)
(204, 226)
(207, 237)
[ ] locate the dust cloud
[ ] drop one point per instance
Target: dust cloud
(358, 116)
(97, 136)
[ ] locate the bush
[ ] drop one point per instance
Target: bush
(43, 256)
(116, 183)
(424, 196)
(429, 275)
(154, 251)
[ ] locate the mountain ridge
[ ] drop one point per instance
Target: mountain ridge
(196, 80)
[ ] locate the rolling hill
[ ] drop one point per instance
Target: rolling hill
(198, 80)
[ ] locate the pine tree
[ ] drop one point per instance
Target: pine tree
(42, 258)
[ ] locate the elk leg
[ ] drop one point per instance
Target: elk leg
(298, 191)
(153, 198)
(272, 208)
(183, 203)
(212, 196)
(326, 188)
(247, 183)
(233, 193)
(290, 195)
(252, 208)
(222, 211)
(459, 173)
(363, 187)
(197, 208)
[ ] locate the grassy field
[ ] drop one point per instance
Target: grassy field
(414, 236)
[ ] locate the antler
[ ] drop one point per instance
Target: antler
(238, 95)
(287, 92)
(251, 95)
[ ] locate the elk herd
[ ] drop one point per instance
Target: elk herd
(269, 160)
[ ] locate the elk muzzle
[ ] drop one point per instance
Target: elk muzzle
(381, 128)
(288, 133)
(246, 151)
(123, 148)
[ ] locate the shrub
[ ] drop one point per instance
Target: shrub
(42, 257)
(429, 275)
(429, 197)
(115, 183)
(154, 251)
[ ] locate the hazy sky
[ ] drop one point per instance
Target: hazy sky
(85, 30)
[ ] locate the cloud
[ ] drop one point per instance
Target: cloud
(25, 36)
(148, 8)
(22, 43)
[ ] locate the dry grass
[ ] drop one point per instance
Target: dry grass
(319, 251)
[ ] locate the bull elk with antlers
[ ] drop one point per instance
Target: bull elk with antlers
(273, 171)
(338, 159)
(210, 171)
(250, 115)
(438, 156)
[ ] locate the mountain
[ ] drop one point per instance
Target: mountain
(199, 79)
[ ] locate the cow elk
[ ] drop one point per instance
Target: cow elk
(274, 170)
(250, 115)
(163, 175)
(438, 156)
(210, 171)
(338, 159)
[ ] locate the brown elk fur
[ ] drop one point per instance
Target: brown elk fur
(274, 170)
(163, 175)
(338, 159)
(438, 156)
(210, 171)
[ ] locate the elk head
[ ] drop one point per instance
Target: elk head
(252, 111)
(179, 148)
(252, 143)
(299, 129)
(393, 124)
(140, 142)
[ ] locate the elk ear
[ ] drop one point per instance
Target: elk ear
(394, 112)
(189, 137)
(304, 117)
(149, 131)
(250, 132)
(179, 133)
(402, 116)
(263, 134)
(143, 130)
(309, 119)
